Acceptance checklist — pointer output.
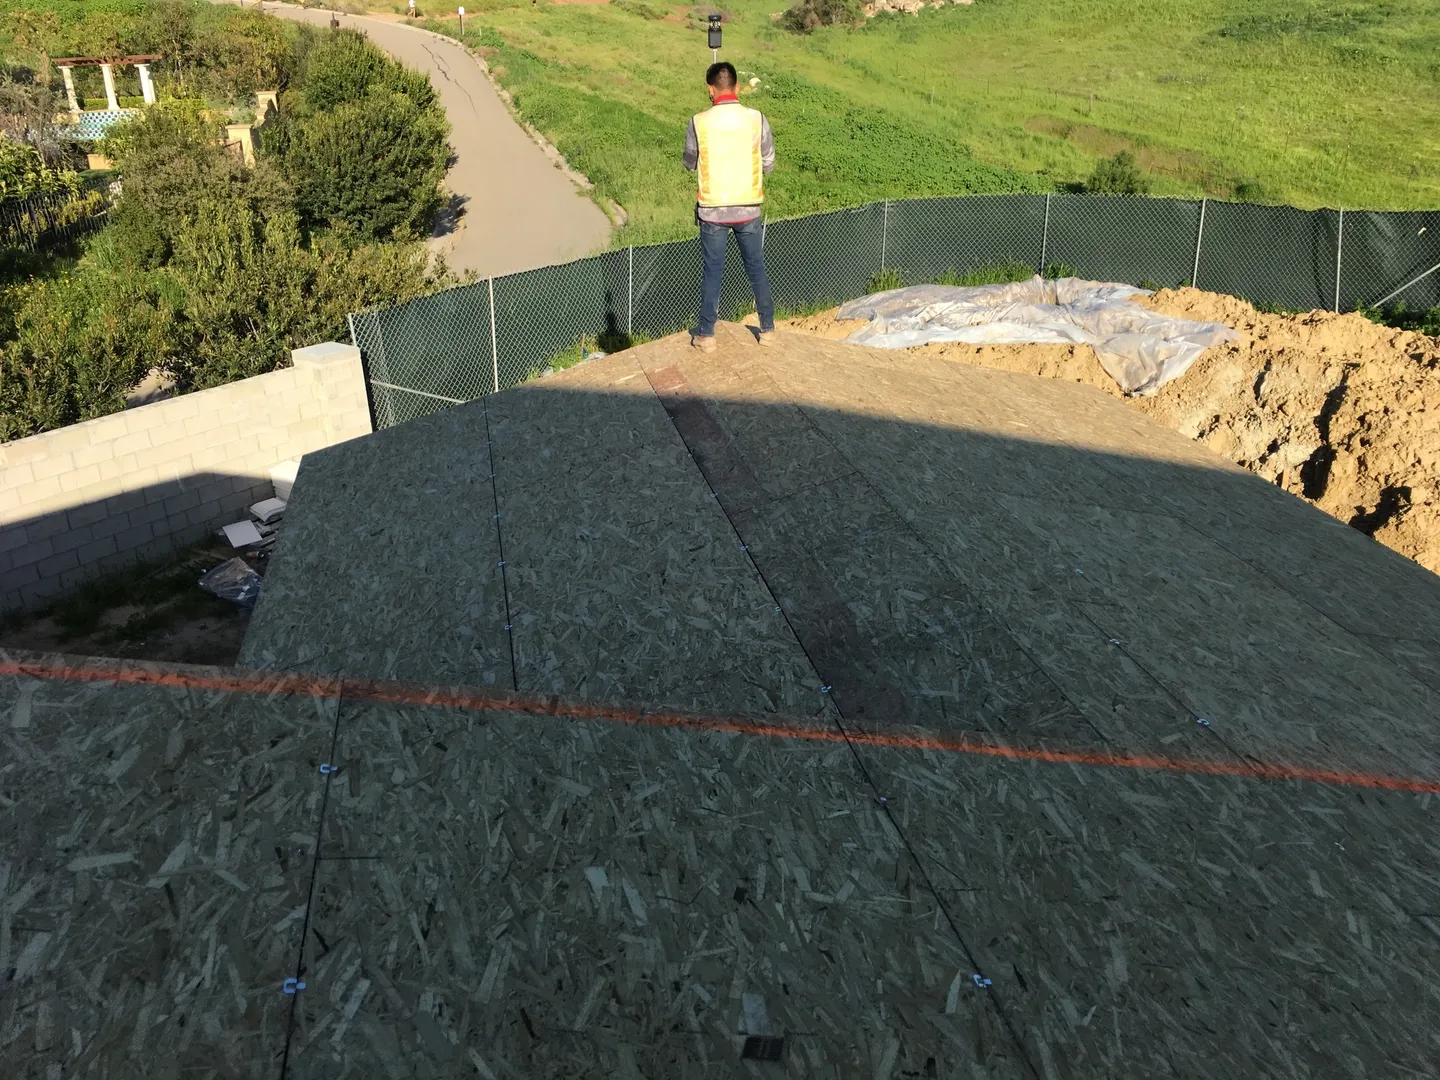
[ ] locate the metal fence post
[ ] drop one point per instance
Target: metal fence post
(884, 234)
(1199, 235)
(1045, 235)
(1339, 247)
(1413, 281)
(494, 355)
(630, 295)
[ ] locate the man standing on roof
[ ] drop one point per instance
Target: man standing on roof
(731, 148)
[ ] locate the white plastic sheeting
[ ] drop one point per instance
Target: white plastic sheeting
(1139, 349)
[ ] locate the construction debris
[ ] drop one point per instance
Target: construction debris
(233, 580)
(1139, 349)
(241, 534)
(268, 511)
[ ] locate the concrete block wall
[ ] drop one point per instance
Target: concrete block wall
(89, 498)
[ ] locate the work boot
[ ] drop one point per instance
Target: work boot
(765, 339)
(704, 344)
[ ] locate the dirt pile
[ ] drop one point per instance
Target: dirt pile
(1333, 408)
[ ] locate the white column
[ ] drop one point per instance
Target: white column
(109, 86)
(147, 88)
(70, 89)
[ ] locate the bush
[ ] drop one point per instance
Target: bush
(370, 168)
(1118, 175)
(81, 342)
(345, 67)
(23, 173)
(246, 52)
(172, 163)
(1251, 191)
(253, 291)
(808, 15)
(639, 7)
(885, 280)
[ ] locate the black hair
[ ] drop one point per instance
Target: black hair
(722, 75)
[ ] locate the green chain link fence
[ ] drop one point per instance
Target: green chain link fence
(462, 343)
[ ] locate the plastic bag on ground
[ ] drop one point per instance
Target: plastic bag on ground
(233, 580)
(1138, 348)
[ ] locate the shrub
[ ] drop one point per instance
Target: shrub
(371, 167)
(1251, 191)
(81, 342)
(885, 280)
(23, 173)
(1118, 175)
(172, 164)
(344, 67)
(252, 290)
(639, 7)
(808, 15)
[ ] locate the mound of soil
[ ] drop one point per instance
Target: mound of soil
(1333, 408)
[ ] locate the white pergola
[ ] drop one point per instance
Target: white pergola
(107, 65)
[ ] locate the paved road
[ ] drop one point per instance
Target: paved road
(518, 211)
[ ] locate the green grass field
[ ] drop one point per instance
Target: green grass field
(1317, 103)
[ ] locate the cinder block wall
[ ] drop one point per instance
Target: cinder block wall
(86, 499)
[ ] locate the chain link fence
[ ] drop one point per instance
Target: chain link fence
(464, 342)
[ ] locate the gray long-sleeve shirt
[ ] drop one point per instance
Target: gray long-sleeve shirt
(728, 215)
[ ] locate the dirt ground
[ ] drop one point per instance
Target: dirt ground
(148, 613)
(1333, 408)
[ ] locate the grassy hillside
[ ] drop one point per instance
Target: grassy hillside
(1309, 102)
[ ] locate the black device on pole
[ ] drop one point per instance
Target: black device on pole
(714, 31)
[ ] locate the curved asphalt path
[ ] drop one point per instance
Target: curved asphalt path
(517, 209)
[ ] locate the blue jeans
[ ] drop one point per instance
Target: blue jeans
(750, 236)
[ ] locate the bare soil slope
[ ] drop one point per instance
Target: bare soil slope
(1337, 410)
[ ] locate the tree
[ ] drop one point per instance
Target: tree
(253, 290)
(345, 67)
(1118, 175)
(32, 32)
(170, 31)
(27, 112)
(174, 167)
(247, 52)
(371, 167)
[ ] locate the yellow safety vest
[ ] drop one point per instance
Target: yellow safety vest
(730, 170)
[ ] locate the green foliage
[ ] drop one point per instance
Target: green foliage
(223, 53)
(362, 139)
(999, 274)
(639, 7)
(1118, 175)
(476, 35)
(241, 290)
(885, 280)
(371, 167)
(173, 170)
(80, 343)
(346, 68)
(805, 16)
(1251, 191)
(246, 52)
(23, 173)
(1323, 22)
(213, 271)
(1425, 321)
